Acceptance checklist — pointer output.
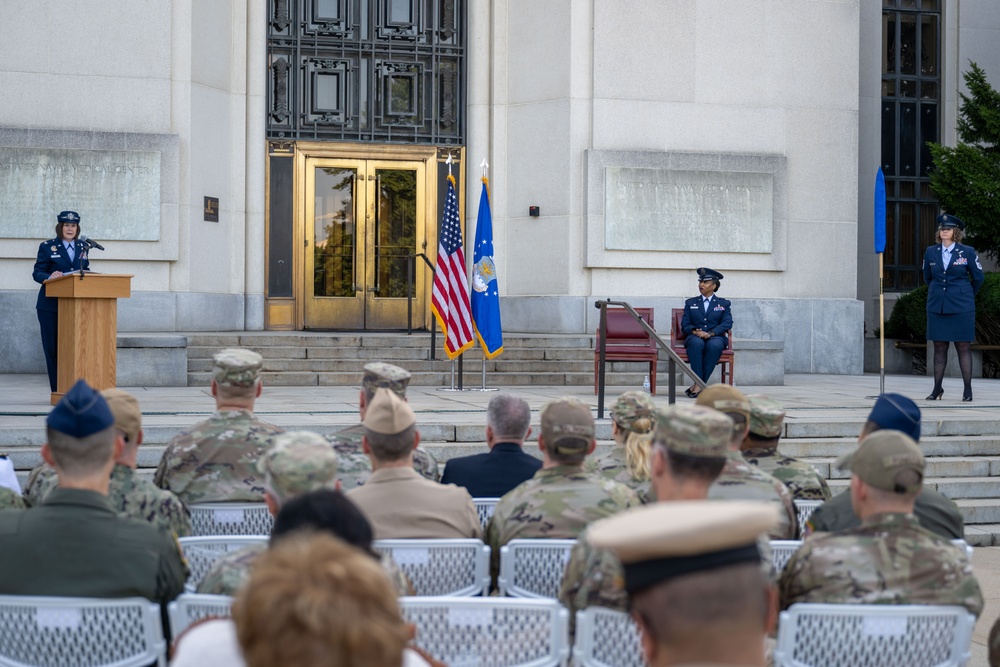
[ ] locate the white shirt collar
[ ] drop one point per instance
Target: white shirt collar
(947, 248)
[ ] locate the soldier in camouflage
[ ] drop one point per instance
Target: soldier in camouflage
(355, 468)
(298, 462)
(10, 499)
(689, 450)
(740, 480)
(215, 461)
(128, 494)
(632, 420)
(760, 448)
(562, 498)
(890, 559)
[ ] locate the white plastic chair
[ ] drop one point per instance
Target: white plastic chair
(42, 631)
(869, 635)
(191, 607)
(606, 638)
(202, 552)
(781, 552)
(965, 547)
(484, 508)
(490, 632)
(454, 567)
(804, 510)
(230, 519)
(533, 568)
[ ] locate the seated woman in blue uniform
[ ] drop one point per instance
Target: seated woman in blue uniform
(953, 275)
(706, 320)
(65, 253)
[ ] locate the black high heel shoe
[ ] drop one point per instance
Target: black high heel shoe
(967, 396)
(937, 394)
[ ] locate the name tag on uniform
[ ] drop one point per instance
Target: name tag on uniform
(961, 261)
(694, 307)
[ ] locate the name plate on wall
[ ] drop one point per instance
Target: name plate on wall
(703, 211)
(116, 193)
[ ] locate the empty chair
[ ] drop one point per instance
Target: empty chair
(202, 552)
(533, 568)
(230, 519)
(781, 552)
(489, 632)
(485, 507)
(606, 638)
(804, 509)
(861, 635)
(191, 607)
(455, 567)
(95, 632)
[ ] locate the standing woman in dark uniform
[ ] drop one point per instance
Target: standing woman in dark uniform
(706, 320)
(57, 256)
(953, 275)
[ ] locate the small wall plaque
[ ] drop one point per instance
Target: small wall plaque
(211, 209)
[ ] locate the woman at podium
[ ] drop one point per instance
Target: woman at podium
(57, 256)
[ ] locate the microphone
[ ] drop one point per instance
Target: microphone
(91, 243)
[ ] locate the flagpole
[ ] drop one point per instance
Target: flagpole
(878, 220)
(881, 329)
(485, 166)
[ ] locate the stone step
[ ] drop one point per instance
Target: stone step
(442, 378)
(351, 366)
(377, 340)
(399, 354)
(955, 488)
(934, 445)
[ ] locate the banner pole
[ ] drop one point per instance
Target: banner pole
(881, 329)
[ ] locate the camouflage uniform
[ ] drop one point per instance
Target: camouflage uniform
(10, 500)
(215, 460)
(633, 412)
(741, 481)
(355, 467)
(613, 466)
(890, 559)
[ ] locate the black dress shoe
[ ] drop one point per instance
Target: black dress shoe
(967, 396)
(936, 395)
(689, 393)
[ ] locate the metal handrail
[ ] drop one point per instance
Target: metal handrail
(672, 358)
(409, 298)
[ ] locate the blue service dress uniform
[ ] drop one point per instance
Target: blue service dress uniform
(704, 354)
(52, 257)
(951, 293)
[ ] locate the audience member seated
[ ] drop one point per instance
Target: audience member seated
(215, 461)
(314, 601)
(10, 491)
(74, 544)
(128, 493)
(632, 421)
(934, 511)
(561, 498)
(494, 473)
(890, 558)
(398, 502)
(355, 468)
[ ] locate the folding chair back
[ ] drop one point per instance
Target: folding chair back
(192, 607)
(202, 552)
(457, 567)
(485, 507)
(863, 635)
(230, 519)
(804, 510)
(606, 638)
(43, 631)
(781, 552)
(490, 632)
(533, 568)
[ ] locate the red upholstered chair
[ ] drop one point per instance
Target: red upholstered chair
(627, 341)
(677, 337)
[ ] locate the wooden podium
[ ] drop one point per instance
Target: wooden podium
(88, 328)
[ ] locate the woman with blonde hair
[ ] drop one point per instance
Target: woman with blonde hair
(632, 421)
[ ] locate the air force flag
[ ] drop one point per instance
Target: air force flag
(485, 291)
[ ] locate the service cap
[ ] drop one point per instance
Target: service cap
(567, 425)
(298, 462)
(705, 273)
(80, 412)
(388, 414)
(766, 416)
(125, 409)
(948, 221)
(236, 367)
(69, 216)
(724, 398)
(631, 408)
(694, 430)
(380, 374)
(898, 413)
(662, 541)
(881, 457)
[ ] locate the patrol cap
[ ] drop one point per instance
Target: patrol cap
(898, 413)
(125, 409)
(298, 462)
(380, 374)
(388, 414)
(948, 221)
(236, 367)
(694, 430)
(80, 412)
(631, 408)
(69, 216)
(766, 416)
(661, 541)
(881, 457)
(724, 398)
(705, 273)
(567, 425)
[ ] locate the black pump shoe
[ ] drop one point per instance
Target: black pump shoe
(937, 394)
(967, 396)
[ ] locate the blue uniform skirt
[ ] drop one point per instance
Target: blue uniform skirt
(959, 327)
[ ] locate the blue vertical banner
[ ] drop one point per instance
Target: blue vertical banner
(879, 212)
(485, 289)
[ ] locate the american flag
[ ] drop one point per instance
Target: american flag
(450, 300)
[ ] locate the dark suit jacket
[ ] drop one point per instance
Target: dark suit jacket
(492, 474)
(952, 289)
(52, 257)
(718, 320)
